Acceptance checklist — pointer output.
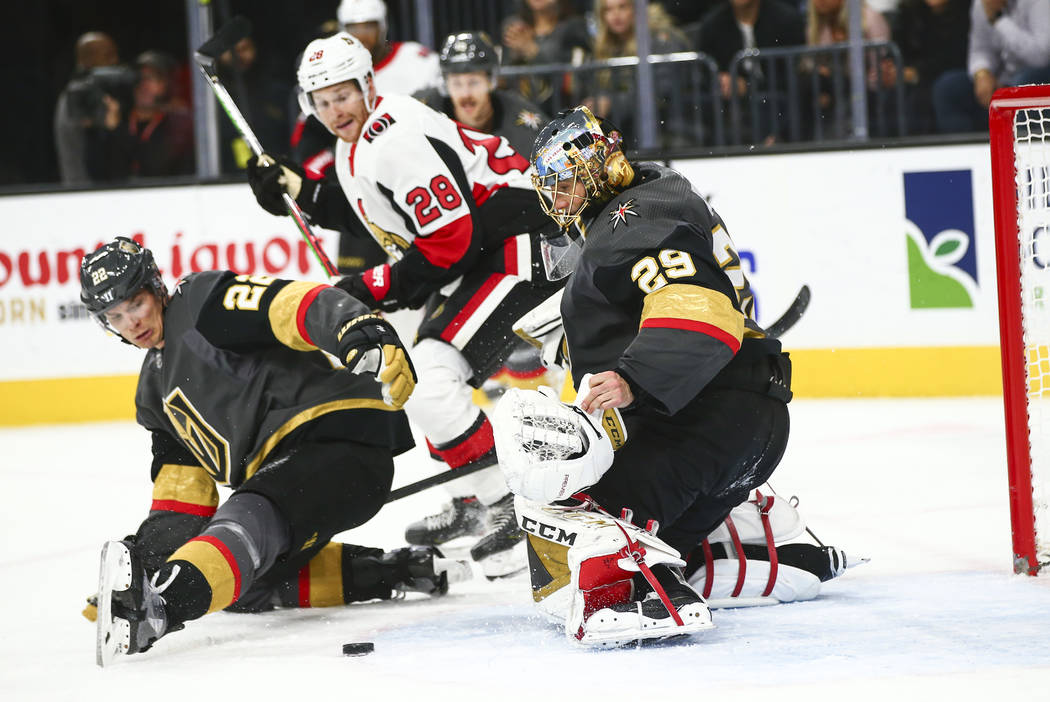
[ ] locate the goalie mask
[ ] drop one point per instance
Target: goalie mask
(577, 164)
(114, 273)
(333, 60)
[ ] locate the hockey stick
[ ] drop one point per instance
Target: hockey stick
(791, 315)
(206, 56)
(438, 479)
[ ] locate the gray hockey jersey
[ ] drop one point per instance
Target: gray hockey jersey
(242, 367)
(658, 294)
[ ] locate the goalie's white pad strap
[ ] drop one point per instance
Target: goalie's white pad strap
(784, 520)
(548, 450)
(792, 584)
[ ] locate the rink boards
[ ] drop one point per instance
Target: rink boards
(895, 244)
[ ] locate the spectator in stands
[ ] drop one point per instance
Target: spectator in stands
(542, 32)
(612, 91)
(78, 108)
(827, 23)
(400, 66)
(154, 137)
(261, 94)
(1009, 45)
(932, 36)
(750, 24)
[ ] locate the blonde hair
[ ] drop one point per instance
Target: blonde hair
(607, 45)
(840, 21)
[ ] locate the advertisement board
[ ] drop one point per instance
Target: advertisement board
(896, 246)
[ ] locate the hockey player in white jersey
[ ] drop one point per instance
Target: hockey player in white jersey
(400, 66)
(455, 209)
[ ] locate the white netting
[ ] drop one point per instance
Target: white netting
(548, 431)
(1032, 163)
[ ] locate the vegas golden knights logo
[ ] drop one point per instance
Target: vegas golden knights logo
(210, 448)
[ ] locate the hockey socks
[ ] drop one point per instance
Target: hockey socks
(202, 576)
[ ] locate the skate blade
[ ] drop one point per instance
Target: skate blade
(505, 563)
(458, 571)
(112, 634)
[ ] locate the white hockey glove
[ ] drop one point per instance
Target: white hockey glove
(549, 450)
(542, 328)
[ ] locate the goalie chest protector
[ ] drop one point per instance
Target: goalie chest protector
(659, 238)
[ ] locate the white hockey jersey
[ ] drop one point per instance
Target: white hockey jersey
(408, 67)
(417, 180)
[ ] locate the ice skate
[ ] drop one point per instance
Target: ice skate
(465, 516)
(424, 569)
(131, 615)
(501, 552)
(646, 618)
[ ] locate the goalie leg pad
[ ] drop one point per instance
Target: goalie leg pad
(584, 576)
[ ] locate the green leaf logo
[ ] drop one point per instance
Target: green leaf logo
(934, 280)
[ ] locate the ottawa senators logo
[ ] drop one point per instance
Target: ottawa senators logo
(380, 125)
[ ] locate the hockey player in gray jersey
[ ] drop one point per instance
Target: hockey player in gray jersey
(663, 346)
(235, 391)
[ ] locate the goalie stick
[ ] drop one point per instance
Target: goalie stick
(791, 315)
(206, 55)
(786, 321)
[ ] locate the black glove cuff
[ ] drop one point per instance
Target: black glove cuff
(358, 289)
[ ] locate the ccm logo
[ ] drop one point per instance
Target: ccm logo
(378, 127)
(548, 532)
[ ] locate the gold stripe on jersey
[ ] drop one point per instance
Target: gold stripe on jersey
(307, 415)
(694, 304)
(326, 577)
(215, 569)
(190, 484)
(554, 558)
(284, 314)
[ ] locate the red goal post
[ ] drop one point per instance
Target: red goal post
(1019, 127)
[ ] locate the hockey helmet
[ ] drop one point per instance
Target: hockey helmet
(355, 11)
(115, 272)
(332, 60)
(469, 52)
(576, 147)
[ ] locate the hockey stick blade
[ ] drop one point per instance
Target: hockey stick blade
(791, 315)
(437, 479)
(226, 38)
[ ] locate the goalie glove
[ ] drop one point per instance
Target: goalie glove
(548, 450)
(369, 344)
(542, 327)
(270, 177)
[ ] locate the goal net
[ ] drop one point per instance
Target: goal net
(1020, 145)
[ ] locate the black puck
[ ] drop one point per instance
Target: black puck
(361, 648)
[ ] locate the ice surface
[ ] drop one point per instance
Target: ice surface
(919, 486)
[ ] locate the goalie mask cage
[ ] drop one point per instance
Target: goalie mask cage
(1019, 125)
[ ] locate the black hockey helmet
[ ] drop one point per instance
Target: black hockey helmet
(113, 273)
(468, 52)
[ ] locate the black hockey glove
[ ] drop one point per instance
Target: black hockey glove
(278, 175)
(369, 344)
(358, 288)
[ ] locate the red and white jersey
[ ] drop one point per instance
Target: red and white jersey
(417, 180)
(408, 67)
